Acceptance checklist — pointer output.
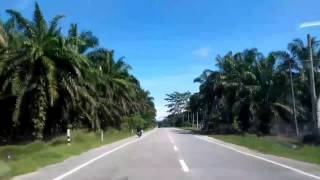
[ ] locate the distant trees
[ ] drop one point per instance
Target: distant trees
(177, 107)
(49, 81)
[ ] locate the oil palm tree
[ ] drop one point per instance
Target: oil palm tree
(41, 70)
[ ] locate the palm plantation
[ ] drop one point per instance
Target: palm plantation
(250, 92)
(50, 81)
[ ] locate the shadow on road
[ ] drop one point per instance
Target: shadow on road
(185, 131)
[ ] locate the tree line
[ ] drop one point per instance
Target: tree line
(250, 92)
(50, 81)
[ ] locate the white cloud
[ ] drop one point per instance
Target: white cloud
(203, 52)
(309, 24)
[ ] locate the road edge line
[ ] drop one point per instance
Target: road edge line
(100, 156)
(214, 141)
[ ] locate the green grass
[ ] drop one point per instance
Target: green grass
(276, 146)
(30, 157)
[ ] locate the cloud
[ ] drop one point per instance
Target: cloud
(309, 24)
(203, 52)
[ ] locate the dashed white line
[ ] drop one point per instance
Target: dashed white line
(184, 166)
(258, 157)
(170, 138)
(175, 148)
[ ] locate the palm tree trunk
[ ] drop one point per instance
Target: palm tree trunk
(318, 115)
(293, 102)
(197, 120)
(193, 120)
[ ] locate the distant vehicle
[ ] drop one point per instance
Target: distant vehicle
(139, 132)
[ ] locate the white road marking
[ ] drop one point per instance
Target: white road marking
(170, 138)
(175, 148)
(184, 166)
(258, 157)
(98, 157)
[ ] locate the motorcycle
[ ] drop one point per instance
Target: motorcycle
(139, 133)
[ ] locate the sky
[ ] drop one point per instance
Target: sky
(168, 43)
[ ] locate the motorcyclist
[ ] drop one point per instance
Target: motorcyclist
(139, 131)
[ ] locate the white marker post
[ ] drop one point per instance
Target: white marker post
(101, 135)
(68, 136)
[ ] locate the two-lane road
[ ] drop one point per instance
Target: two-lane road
(166, 154)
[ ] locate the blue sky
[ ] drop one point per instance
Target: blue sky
(169, 42)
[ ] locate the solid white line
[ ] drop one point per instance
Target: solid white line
(261, 158)
(184, 166)
(96, 158)
(175, 148)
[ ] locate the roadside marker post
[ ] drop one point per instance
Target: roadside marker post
(101, 135)
(68, 136)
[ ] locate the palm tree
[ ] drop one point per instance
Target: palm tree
(42, 70)
(301, 53)
(50, 81)
(245, 91)
(81, 42)
(116, 85)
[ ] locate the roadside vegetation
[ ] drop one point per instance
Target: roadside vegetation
(248, 92)
(50, 81)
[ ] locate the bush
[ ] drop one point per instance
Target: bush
(133, 122)
(313, 139)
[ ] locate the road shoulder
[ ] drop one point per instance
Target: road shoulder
(313, 169)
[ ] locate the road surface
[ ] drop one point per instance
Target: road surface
(168, 153)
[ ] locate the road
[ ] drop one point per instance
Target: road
(166, 154)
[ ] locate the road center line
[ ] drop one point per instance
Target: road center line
(184, 166)
(175, 148)
(212, 140)
(99, 157)
(170, 138)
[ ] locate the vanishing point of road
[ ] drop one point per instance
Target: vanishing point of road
(173, 154)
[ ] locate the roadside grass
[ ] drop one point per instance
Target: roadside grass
(279, 146)
(30, 157)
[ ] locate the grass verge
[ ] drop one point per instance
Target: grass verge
(278, 146)
(30, 157)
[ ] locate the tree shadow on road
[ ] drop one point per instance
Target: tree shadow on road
(186, 131)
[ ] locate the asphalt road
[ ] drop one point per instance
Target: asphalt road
(166, 154)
